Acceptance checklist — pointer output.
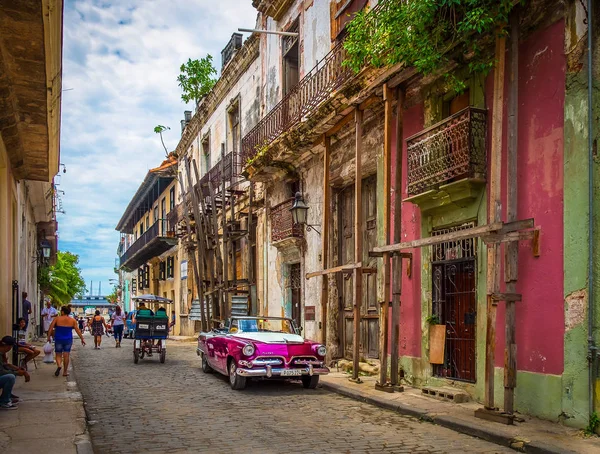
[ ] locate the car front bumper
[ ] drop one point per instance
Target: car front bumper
(269, 371)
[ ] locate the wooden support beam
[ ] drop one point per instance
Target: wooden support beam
(372, 100)
(209, 258)
(524, 235)
(199, 239)
(340, 124)
(388, 97)
(195, 268)
(494, 215)
(325, 238)
(397, 258)
(358, 244)
(511, 250)
(455, 236)
(225, 296)
(512, 297)
(335, 269)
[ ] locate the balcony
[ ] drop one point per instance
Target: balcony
(314, 88)
(230, 174)
(282, 226)
(451, 150)
(153, 242)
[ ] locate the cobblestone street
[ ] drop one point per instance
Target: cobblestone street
(175, 407)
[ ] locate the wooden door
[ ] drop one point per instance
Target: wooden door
(369, 327)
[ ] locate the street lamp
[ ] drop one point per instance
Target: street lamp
(45, 248)
(300, 212)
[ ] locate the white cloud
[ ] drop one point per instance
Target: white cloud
(120, 63)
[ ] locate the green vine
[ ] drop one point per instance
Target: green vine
(593, 425)
(433, 319)
(428, 35)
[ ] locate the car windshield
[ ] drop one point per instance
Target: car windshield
(262, 325)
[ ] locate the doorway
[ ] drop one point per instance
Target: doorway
(369, 324)
(294, 281)
(454, 300)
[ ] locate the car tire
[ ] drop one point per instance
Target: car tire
(310, 382)
(136, 356)
(205, 366)
(236, 381)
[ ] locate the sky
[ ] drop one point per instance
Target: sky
(121, 60)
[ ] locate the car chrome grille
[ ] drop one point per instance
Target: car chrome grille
(303, 361)
(267, 361)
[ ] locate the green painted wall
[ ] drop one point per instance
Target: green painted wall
(575, 389)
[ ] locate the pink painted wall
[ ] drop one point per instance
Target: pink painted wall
(410, 308)
(540, 316)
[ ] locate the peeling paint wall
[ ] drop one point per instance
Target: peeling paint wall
(247, 90)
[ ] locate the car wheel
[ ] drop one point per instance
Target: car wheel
(310, 382)
(236, 381)
(205, 366)
(136, 356)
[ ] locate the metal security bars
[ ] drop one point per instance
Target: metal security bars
(282, 225)
(455, 303)
(449, 150)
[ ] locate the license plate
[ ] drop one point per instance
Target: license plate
(141, 326)
(291, 372)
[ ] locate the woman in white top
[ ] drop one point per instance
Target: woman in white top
(118, 322)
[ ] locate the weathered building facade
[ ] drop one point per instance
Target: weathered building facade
(30, 100)
(460, 214)
(148, 258)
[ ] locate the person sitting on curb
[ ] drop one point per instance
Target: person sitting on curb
(29, 350)
(8, 374)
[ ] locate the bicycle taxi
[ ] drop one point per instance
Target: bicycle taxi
(151, 326)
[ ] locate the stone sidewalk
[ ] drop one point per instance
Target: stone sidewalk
(532, 435)
(50, 418)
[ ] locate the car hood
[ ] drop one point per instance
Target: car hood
(272, 338)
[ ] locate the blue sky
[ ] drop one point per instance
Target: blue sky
(120, 64)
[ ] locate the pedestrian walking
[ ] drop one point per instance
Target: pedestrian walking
(62, 329)
(26, 309)
(49, 314)
(118, 323)
(98, 327)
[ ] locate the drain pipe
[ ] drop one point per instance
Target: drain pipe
(591, 344)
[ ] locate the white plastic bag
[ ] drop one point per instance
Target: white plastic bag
(48, 353)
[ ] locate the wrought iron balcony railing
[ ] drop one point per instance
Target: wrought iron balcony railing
(232, 172)
(305, 97)
(452, 149)
(159, 229)
(282, 225)
(328, 75)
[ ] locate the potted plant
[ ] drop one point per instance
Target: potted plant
(437, 339)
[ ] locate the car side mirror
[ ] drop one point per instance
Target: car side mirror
(300, 329)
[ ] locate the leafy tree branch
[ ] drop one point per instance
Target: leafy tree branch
(62, 281)
(196, 79)
(427, 34)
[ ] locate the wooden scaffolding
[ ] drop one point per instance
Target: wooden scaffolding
(214, 227)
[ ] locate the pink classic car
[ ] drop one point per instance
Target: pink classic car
(261, 347)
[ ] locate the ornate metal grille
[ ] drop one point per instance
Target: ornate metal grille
(294, 279)
(455, 303)
(451, 149)
(282, 225)
(232, 170)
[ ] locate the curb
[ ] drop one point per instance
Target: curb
(83, 442)
(455, 424)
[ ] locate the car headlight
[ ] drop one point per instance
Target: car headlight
(321, 351)
(248, 350)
